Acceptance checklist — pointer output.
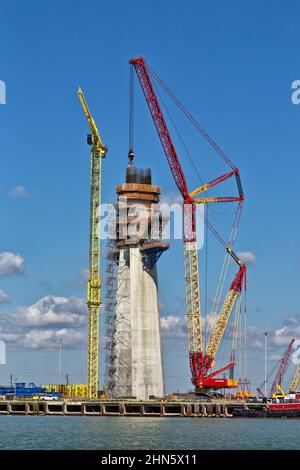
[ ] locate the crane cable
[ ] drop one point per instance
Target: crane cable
(230, 244)
(233, 234)
(192, 119)
(206, 283)
(184, 146)
(131, 114)
(220, 152)
(178, 134)
(224, 270)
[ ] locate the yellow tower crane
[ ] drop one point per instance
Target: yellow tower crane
(99, 151)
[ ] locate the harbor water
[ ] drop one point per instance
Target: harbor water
(112, 433)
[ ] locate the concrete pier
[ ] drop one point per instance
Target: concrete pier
(138, 363)
(126, 408)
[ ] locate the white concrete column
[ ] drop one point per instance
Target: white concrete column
(147, 372)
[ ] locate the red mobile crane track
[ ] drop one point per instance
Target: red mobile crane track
(201, 363)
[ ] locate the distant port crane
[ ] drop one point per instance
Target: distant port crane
(201, 362)
(98, 152)
(295, 380)
(281, 368)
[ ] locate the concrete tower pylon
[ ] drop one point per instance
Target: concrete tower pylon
(137, 368)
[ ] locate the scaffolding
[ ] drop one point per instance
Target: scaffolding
(118, 323)
(111, 282)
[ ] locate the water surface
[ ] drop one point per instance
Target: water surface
(111, 433)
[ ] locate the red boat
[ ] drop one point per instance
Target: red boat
(293, 406)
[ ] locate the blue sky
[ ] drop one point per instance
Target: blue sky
(232, 64)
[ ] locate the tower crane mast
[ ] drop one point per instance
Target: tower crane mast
(98, 152)
(201, 362)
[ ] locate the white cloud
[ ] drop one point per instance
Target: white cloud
(52, 311)
(44, 338)
(41, 325)
(211, 321)
(11, 263)
(49, 338)
(247, 257)
(4, 298)
(173, 326)
(278, 337)
(9, 337)
(18, 192)
(291, 320)
(171, 198)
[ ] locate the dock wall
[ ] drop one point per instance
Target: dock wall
(120, 408)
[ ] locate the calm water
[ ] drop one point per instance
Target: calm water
(80, 432)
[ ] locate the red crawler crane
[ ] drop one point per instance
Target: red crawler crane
(201, 362)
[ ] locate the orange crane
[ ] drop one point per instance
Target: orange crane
(201, 362)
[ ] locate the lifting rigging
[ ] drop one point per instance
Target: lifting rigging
(98, 152)
(201, 361)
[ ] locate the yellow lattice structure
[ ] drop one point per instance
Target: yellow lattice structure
(192, 296)
(93, 286)
(222, 322)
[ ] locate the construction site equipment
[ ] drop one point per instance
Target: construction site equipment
(242, 395)
(75, 391)
(279, 393)
(201, 362)
(98, 152)
(283, 365)
(295, 380)
(19, 389)
(281, 368)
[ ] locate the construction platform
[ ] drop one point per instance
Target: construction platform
(145, 408)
